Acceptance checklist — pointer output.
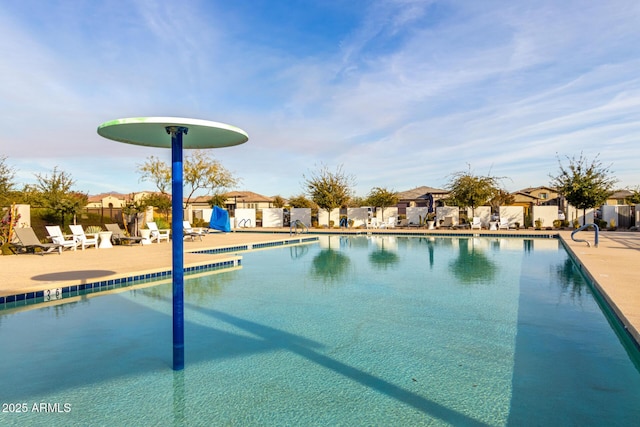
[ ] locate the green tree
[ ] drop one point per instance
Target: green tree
(301, 201)
(278, 202)
(7, 174)
(501, 198)
(382, 198)
(160, 201)
(356, 202)
(200, 172)
(219, 200)
(584, 184)
(635, 196)
(29, 195)
(156, 171)
(469, 190)
(54, 193)
(329, 190)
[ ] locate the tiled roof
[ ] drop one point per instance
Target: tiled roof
(248, 196)
(542, 187)
(99, 197)
(420, 193)
(621, 194)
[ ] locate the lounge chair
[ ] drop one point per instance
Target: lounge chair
(447, 223)
(391, 223)
(118, 237)
(28, 241)
(476, 223)
(55, 233)
(81, 238)
(373, 223)
(383, 224)
(504, 224)
(157, 234)
(190, 232)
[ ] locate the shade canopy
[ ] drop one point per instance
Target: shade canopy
(152, 132)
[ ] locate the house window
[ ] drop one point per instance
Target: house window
(544, 196)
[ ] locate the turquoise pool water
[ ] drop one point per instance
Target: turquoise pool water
(350, 331)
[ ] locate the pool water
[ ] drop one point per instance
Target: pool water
(366, 330)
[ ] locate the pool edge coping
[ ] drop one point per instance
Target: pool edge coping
(69, 287)
(625, 323)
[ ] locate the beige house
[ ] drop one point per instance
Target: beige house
(419, 197)
(524, 199)
(247, 200)
(237, 200)
(549, 196)
(619, 197)
(115, 200)
(107, 200)
(542, 196)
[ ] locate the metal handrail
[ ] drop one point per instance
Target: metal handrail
(295, 224)
(582, 240)
(243, 223)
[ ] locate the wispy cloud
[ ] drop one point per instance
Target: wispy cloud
(402, 92)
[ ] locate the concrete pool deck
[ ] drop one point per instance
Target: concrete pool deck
(612, 266)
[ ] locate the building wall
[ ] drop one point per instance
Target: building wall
(483, 212)
(301, 214)
(444, 211)
(245, 218)
(547, 214)
(323, 219)
(358, 215)
(573, 213)
(415, 214)
(272, 217)
(25, 215)
(514, 214)
(382, 215)
(545, 195)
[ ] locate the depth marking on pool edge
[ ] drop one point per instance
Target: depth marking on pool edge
(28, 298)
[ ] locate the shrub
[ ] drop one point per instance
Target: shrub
(199, 222)
(162, 223)
(92, 229)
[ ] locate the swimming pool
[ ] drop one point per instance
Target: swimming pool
(366, 330)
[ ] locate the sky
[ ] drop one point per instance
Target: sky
(397, 93)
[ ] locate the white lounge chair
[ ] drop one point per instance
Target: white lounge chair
(504, 224)
(476, 223)
(373, 223)
(56, 236)
(190, 232)
(157, 234)
(81, 238)
(390, 223)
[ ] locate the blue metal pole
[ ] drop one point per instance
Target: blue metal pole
(176, 133)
